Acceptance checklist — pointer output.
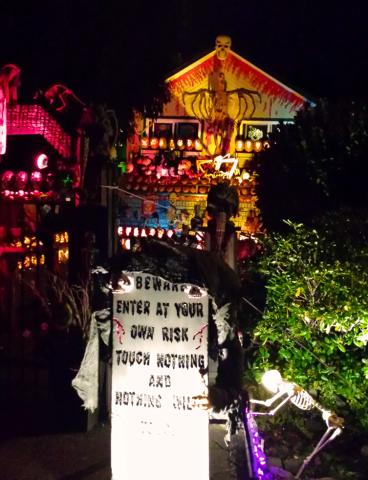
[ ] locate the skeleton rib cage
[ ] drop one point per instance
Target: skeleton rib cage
(304, 401)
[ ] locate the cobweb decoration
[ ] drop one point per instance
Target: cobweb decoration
(223, 327)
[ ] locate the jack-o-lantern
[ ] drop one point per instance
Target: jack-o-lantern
(189, 143)
(198, 145)
(248, 146)
(162, 143)
(154, 143)
(145, 143)
(239, 144)
(257, 146)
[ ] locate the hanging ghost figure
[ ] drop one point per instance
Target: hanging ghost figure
(223, 45)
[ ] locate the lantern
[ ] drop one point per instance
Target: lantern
(21, 179)
(198, 145)
(162, 143)
(145, 142)
(172, 144)
(239, 144)
(6, 179)
(248, 146)
(257, 146)
(36, 180)
(180, 143)
(154, 143)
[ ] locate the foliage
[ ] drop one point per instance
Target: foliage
(57, 303)
(316, 164)
(315, 325)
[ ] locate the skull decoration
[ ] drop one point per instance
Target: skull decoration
(223, 45)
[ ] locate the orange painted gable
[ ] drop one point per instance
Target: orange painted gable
(276, 100)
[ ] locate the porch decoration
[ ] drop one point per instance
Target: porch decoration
(299, 397)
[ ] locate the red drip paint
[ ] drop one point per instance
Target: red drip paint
(201, 335)
(120, 331)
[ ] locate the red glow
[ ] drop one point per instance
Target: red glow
(21, 179)
(36, 180)
(7, 178)
(34, 120)
(42, 161)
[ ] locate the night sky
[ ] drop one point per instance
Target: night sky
(118, 52)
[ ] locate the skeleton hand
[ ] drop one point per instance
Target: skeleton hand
(201, 401)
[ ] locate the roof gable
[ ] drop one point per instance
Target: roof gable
(270, 99)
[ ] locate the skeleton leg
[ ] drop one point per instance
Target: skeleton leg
(326, 438)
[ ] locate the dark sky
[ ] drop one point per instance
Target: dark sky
(115, 52)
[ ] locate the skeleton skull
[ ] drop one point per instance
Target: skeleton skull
(223, 45)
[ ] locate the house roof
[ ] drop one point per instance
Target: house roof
(278, 100)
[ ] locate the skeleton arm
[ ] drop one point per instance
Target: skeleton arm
(272, 400)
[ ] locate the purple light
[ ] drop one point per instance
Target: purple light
(259, 459)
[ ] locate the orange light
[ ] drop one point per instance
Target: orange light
(266, 144)
(257, 146)
(170, 233)
(239, 145)
(154, 143)
(172, 144)
(180, 144)
(145, 142)
(248, 146)
(63, 255)
(125, 243)
(162, 143)
(198, 145)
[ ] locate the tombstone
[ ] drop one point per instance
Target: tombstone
(159, 343)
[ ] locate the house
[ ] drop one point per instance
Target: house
(221, 111)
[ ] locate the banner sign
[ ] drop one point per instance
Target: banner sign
(159, 366)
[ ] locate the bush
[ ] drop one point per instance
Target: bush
(315, 325)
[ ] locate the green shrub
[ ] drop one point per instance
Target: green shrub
(315, 324)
